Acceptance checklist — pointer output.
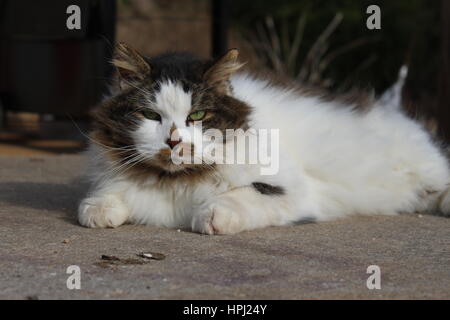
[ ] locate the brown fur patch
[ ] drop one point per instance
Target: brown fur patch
(226, 112)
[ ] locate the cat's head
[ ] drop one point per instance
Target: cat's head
(161, 109)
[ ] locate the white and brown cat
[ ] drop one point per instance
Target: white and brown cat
(334, 159)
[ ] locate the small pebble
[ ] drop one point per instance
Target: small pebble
(110, 258)
(152, 255)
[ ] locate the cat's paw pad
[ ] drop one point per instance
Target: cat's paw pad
(219, 219)
(225, 220)
(104, 212)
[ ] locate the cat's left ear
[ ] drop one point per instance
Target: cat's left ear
(130, 65)
(219, 73)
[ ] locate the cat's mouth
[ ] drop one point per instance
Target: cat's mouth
(177, 159)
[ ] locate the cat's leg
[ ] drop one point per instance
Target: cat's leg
(103, 209)
(244, 208)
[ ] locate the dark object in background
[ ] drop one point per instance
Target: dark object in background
(219, 34)
(47, 68)
(444, 76)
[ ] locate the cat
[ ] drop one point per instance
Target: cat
(334, 160)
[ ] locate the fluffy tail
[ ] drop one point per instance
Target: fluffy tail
(392, 97)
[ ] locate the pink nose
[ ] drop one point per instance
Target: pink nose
(172, 143)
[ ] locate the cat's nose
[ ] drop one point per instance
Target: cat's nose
(173, 143)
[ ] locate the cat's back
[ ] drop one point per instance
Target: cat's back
(335, 138)
(307, 116)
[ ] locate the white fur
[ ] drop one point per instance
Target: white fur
(334, 162)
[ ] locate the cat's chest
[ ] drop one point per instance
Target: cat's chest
(158, 205)
(178, 197)
(167, 196)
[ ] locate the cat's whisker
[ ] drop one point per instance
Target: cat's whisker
(116, 167)
(146, 92)
(93, 140)
(139, 158)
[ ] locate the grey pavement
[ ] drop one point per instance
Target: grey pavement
(39, 239)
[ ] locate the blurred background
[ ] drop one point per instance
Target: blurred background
(50, 77)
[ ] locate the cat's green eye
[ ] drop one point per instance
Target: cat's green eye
(197, 115)
(151, 115)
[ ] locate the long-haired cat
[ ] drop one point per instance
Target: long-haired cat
(333, 159)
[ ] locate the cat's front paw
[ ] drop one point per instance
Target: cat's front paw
(219, 219)
(102, 212)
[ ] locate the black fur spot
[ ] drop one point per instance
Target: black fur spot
(268, 189)
(176, 66)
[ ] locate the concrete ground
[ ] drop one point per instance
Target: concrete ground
(39, 239)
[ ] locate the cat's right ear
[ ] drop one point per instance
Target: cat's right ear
(219, 73)
(131, 66)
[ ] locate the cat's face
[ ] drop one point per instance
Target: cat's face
(156, 123)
